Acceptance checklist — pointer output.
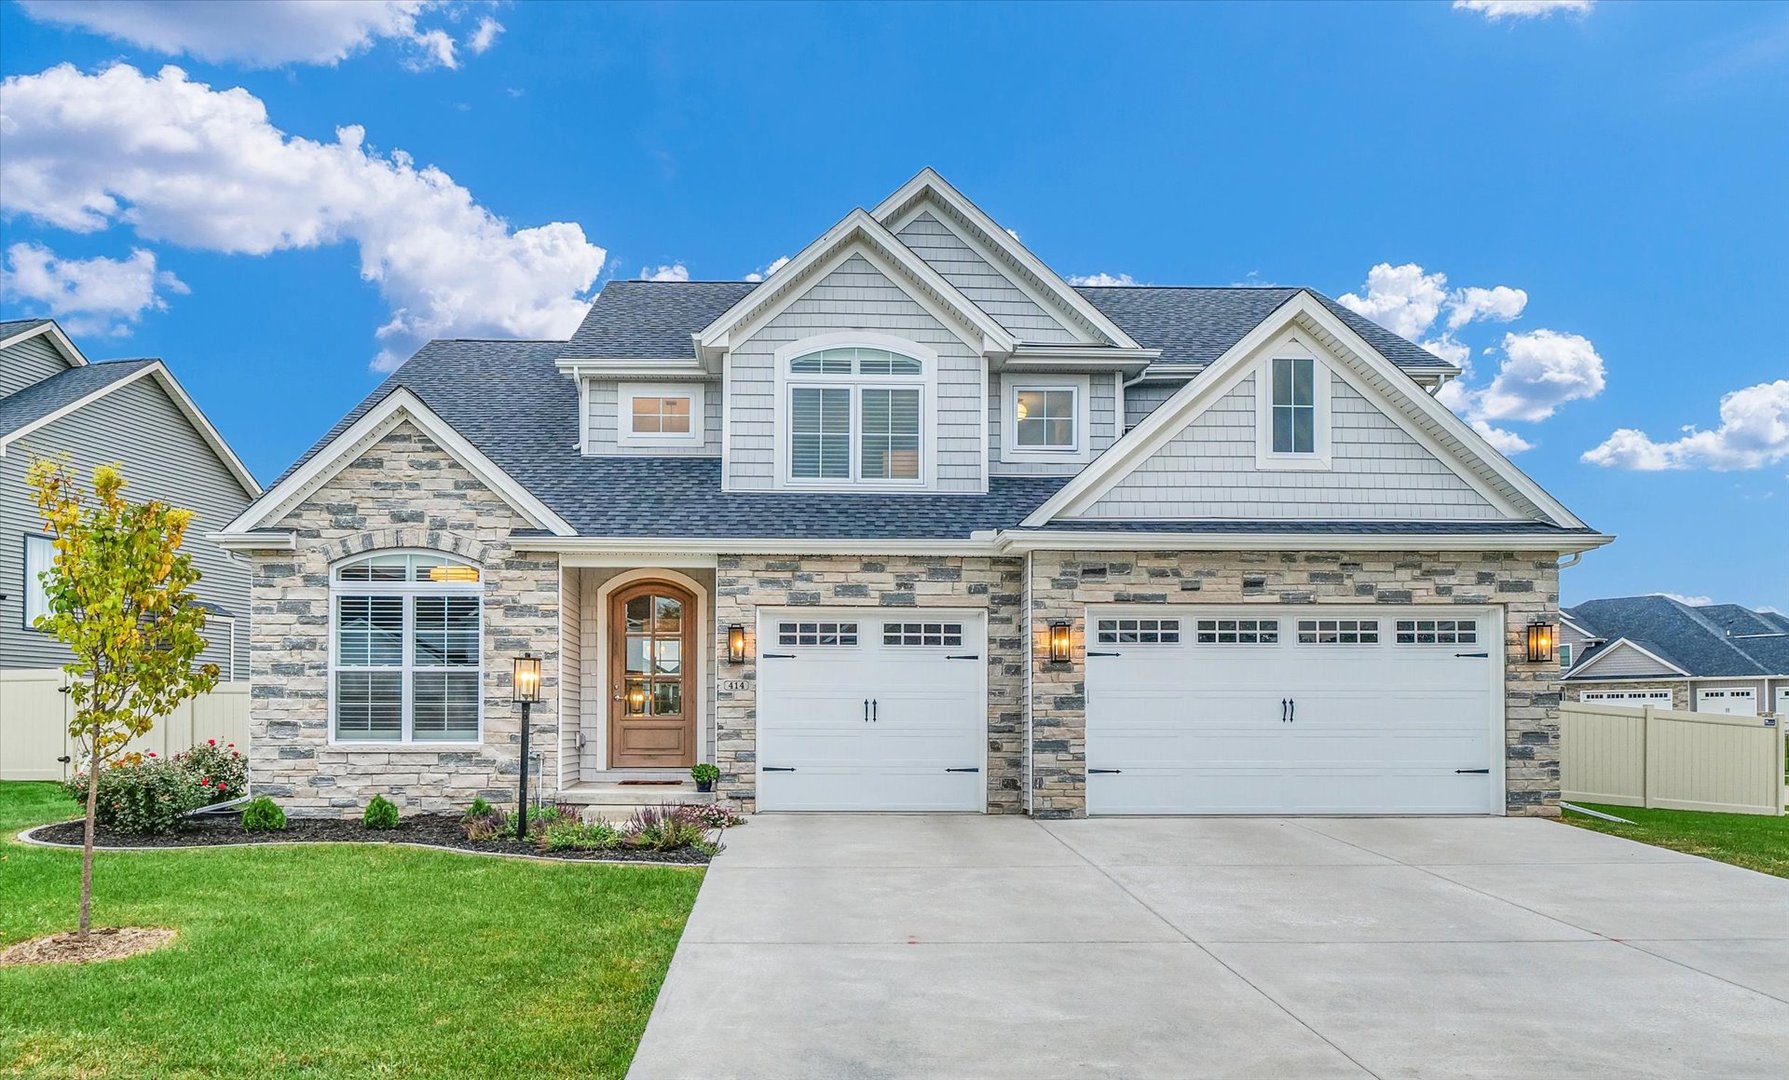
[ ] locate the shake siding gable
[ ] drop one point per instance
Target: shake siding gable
(30, 361)
(991, 290)
(854, 296)
(1620, 661)
(1379, 472)
(1144, 398)
(164, 458)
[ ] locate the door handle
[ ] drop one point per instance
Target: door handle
(1282, 710)
(1292, 713)
(875, 707)
(866, 710)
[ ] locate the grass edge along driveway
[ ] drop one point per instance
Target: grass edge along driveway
(1753, 841)
(333, 960)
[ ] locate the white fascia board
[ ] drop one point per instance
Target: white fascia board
(762, 303)
(646, 367)
(244, 542)
(1024, 540)
(928, 182)
(399, 405)
(1569, 621)
(1583, 670)
(53, 331)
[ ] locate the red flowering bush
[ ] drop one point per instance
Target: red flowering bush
(141, 794)
(220, 770)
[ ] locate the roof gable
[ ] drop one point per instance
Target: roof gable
(1624, 659)
(1692, 639)
(14, 331)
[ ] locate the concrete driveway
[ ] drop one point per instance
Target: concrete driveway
(936, 946)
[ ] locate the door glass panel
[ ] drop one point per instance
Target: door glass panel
(638, 697)
(636, 654)
(667, 697)
(670, 615)
(639, 609)
(669, 655)
(652, 656)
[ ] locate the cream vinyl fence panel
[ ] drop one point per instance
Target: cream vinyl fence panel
(34, 715)
(1671, 760)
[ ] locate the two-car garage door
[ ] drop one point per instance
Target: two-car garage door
(1293, 710)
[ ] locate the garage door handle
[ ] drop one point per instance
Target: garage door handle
(776, 656)
(779, 768)
(1092, 653)
(964, 656)
(875, 707)
(1282, 710)
(1105, 770)
(1487, 771)
(1474, 655)
(972, 768)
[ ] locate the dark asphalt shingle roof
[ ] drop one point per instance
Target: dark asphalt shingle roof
(527, 430)
(40, 399)
(1700, 640)
(9, 327)
(1191, 326)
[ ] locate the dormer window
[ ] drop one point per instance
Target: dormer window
(1292, 418)
(659, 414)
(855, 414)
(1044, 418)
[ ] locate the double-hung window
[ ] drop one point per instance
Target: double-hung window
(407, 661)
(1293, 416)
(856, 414)
(40, 555)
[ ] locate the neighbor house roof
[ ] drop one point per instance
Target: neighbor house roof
(1191, 326)
(13, 327)
(1716, 640)
(522, 428)
(41, 399)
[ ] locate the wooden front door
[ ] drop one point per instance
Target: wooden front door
(652, 690)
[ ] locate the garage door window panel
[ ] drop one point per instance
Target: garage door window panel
(817, 633)
(934, 634)
(1237, 632)
(1338, 631)
(1140, 631)
(1437, 632)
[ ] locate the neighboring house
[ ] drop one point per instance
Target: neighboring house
(914, 525)
(1654, 650)
(56, 404)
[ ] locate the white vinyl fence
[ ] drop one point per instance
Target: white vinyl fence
(1671, 760)
(34, 716)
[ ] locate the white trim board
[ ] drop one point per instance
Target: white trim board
(337, 454)
(177, 393)
(1359, 364)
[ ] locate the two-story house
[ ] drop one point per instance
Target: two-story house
(55, 404)
(913, 524)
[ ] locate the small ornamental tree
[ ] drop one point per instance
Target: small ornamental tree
(119, 595)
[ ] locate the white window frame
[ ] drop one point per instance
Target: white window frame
(36, 599)
(1011, 451)
(625, 435)
(926, 382)
(409, 591)
(1322, 384)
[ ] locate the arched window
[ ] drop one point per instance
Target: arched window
(855, 413)
(406, 663)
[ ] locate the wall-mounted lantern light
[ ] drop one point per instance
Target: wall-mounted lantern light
(1540, 642)
(1059, 641)
(736, 644)
(525, 686)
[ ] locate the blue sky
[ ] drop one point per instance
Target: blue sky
(1622, 166)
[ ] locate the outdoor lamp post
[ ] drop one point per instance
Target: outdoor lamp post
(526, 686)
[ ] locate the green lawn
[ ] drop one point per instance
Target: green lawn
(334, 961)
(1752, 841)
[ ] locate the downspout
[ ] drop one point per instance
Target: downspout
(1030, 638)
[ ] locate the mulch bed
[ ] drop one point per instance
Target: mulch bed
(103, 943)
(440, 830)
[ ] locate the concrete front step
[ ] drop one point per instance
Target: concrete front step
(617, 802)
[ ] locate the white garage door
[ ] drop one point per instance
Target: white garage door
(1293, 710)
(871, 710)
(1727, 700)
(1658, 699)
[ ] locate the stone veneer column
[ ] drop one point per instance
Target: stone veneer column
(403, 492)
(1525, 585)
(879, 585)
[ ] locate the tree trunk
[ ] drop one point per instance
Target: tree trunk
(87, 839)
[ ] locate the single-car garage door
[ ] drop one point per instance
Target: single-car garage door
(871, 710)
(1294, 710)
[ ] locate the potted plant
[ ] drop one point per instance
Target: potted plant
(705, 775)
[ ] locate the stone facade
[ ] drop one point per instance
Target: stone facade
(1526, 586)
(877, 583)
(402, 492)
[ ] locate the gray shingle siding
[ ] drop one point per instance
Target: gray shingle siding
(62, 389)
(164, 458)
(1146, 397)
(28, 361)
(987, 287)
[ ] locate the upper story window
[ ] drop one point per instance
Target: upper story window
(407, 660)
(1044, 418)
(1293, 413)
(655, 414)
(40, 554)
(855, 414)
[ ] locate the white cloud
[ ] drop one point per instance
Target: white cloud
(178, 161)
(89, 296)
(1402, 299)
(1457, 353)
(1473, 303)
(1754, 433)
(270, 33)
(765, 271)
(1502, 440)
(1523, 9)
(672, 272)
(1101, 279)
(1541, 370)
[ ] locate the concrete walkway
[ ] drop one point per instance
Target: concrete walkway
(960, 946)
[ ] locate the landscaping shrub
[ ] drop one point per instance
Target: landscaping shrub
(486, 822)
(220, 771)
(478, 809)
(664, 828)
(712, 815)
(140, 794)
(263, 815)
(380, 814)
(575, 835)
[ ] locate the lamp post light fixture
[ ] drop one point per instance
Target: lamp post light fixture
(525, 685)
(1059, 641)
(1540, 641)
(736, 644)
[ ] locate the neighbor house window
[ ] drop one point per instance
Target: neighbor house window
(660, 415)
(40, 553)
(855, 414)
(407, 663)
(1045, 420)
(1565, 656)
